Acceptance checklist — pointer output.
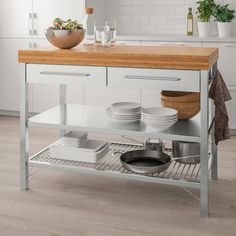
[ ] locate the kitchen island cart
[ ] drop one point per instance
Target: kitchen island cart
(145, 67)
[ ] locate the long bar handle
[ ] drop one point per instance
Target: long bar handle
(34, 23)
(152, 78)
(64, 73)
(30, 24)
(172, 44)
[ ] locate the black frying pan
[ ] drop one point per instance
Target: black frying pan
(145, 161)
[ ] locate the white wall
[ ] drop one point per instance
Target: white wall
(149, 17)
(99, 9)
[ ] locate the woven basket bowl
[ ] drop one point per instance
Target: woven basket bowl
(187, 104)
(177, 96)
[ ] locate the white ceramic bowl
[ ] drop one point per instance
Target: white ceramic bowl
(159, 127)
(159, 112)
(125, 108)
(160, 123)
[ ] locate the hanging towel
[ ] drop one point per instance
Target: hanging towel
(220, 94)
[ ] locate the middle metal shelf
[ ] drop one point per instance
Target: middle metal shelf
(94, 119)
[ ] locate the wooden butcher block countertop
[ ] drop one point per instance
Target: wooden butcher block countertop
(185, 58)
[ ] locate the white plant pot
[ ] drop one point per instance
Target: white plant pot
(224, 29)
(204, 29)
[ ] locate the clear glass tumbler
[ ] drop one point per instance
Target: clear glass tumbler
(98, 35)
(102, 36)
(112, 26)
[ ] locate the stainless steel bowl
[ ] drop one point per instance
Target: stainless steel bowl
(65, 39)
(186, 149)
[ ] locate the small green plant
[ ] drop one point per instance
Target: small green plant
(223, 13)
(205, 10)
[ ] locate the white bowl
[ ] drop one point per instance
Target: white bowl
(158, 127)
(160, 123)
(159, 112)
(123, 116)
(160, 117)
(125, 107)
(160, 120)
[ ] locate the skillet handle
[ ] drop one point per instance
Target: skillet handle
(117, 152)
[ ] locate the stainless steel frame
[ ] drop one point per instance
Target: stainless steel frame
(63, 97)
(40, 160)
(24, 139)
(204, 144)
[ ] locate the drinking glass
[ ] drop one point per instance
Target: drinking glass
(102, 36)
(112, 25)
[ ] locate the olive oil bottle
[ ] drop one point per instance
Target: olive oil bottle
(190, 22)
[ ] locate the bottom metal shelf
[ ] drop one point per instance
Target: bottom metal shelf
(177, 174)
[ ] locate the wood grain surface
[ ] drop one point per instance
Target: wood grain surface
(125, 56)
(69, 204)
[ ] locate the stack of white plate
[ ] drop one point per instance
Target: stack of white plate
(75, 139)
(159, 118)
(124, 112)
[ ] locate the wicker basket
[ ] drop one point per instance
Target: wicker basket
(177, 96)
(187, 104)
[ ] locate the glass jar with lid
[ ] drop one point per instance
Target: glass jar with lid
(89, 22)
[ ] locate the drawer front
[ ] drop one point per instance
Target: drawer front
(154, 79)
(62, 74)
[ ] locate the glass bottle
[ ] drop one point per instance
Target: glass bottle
(89, 22)
(190, 22)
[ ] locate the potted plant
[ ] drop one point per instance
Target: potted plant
(204, 13)
(224, 16)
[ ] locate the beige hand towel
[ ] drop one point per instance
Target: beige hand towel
(220, 94)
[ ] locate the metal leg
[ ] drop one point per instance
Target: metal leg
(63, 106)
(214, 167)
(24, 149)
(204, 145)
